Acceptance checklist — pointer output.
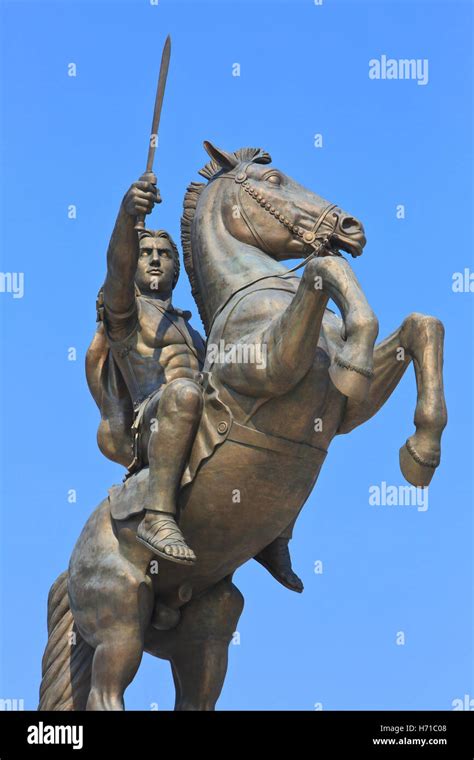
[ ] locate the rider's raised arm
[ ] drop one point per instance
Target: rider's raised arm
(123, 251)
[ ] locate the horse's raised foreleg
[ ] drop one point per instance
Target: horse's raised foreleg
(291, 338)
(351, 368)
(419, 339)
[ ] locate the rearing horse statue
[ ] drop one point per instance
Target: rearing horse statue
(260, 437)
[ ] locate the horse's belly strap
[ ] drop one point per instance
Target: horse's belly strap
(251, 437)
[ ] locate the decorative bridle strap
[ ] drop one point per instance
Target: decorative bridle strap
(309, 237)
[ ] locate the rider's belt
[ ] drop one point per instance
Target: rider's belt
(251, 437)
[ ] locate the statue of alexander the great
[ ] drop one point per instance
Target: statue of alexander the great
(192, 434)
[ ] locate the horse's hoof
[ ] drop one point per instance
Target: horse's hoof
(350, 382)
(414, 472)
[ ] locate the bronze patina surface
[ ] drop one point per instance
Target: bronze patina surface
(198, 423)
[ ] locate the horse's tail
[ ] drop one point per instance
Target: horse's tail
(67, 659)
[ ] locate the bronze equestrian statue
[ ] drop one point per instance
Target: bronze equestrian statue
(254, 452)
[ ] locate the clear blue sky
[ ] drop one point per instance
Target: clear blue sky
(82, 141)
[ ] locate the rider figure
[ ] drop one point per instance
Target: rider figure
(160, 357)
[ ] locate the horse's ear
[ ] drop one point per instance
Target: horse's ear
(224, 159)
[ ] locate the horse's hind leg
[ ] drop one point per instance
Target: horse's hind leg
(116, 661)
(119, 645)
(198, 647)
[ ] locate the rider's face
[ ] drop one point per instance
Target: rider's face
(155, 269)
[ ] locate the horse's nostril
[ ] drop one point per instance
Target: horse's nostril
(348, 224)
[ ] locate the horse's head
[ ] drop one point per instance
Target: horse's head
(263, 207)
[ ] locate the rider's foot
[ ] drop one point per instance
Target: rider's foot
(276, 559)
(160, 533)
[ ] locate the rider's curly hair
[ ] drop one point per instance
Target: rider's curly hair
(174, 247)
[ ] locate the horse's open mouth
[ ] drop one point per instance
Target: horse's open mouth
(354, 245)
(334, 247)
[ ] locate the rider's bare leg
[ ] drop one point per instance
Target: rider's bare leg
(172, 434)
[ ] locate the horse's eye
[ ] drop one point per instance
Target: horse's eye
(275, 179)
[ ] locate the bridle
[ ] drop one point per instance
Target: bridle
(312, 238)
(316, 241)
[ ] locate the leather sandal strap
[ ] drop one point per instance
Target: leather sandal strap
(168, 530)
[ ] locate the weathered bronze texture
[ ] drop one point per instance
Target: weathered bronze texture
(256, 435)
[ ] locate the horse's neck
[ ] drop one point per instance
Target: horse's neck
(225, 264)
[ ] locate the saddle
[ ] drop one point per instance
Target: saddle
(128, 498)
(217, 425)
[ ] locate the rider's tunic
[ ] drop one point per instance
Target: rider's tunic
(160, 347)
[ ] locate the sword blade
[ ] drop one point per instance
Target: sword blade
(160, 91)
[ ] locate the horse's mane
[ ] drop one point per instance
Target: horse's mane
(191, 198)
